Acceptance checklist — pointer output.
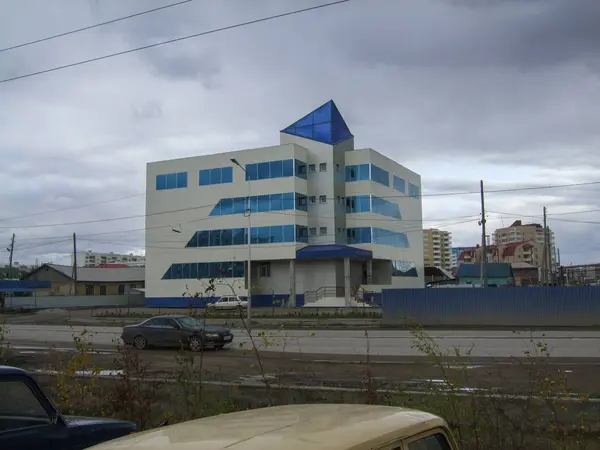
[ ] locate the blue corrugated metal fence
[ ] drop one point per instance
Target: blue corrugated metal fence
(528, 306)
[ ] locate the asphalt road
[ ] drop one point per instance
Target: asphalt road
(480, 343)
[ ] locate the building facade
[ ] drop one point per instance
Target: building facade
(325, 217)
(529, 232)
(94, 259)
(437, 248)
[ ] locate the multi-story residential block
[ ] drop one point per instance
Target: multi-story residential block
(437, 248)
(325, 217)
(531, 233)
(93, 259)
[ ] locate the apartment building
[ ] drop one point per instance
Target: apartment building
(533, 235)
(94, 259)
(437, 248)
(323, 216)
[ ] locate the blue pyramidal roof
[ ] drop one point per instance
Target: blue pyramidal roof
(325, 124)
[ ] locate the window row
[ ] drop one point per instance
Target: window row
(367, 203)
(413, 190)
(220, 175)
(171, 181)
(362, 172)
(239, 236)
(399, 184)
(404, 269)
(373, 235)
(194, 271)
(260, 203)
(275, 169)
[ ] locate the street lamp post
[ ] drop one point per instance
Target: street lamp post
(249, 274)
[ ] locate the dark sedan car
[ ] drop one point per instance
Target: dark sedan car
(175, 331)
(29, 419)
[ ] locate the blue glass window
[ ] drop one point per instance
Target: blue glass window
(225, 269)
(359, 235)
(366, 235)
(276, 169)
(359, 172)
(270, 169)
(413, 190)
(171, 181)
(380, 175)
(287, 201)
(288, 233)
(358, 203)
(301, 169)
(238, 236)
(391, 238)
(261, 203)
(218, 175)
(386, 208)
(288, 168)
(400, 184)
(301, 234)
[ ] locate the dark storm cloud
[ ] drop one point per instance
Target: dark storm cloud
(501, 90)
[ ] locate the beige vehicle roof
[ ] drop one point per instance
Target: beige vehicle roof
(291, 427)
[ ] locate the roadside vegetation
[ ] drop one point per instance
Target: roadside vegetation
(544, 415)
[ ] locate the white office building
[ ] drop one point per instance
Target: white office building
(329, 221)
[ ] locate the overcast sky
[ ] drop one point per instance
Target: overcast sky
(507, 91)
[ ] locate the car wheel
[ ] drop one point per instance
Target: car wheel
(195, 344)
(140, 342)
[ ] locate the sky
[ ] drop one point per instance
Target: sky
(504, 91)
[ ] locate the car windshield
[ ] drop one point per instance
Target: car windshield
(189, 322)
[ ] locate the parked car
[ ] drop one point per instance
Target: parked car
(301, 427)
(29, 419)
(175, 331)
(228, 303)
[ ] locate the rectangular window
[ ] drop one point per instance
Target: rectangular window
(89, 289)
(313, 199)
(171, 181)
(312, 168)
(404, 269)
(413, 190)
(386, 208)
(360, 235)
(323, 167)
(359, 172)
(322, 199)
(219, 175)
(400, 184)
(380, 175)
(301, 234)
(270, 169)
(102, 290)
(121, 289)
(261, 203)
(239, 236)
(225, 269)
(300, 169)
(265, 269)
(312, 231)
(323, 231)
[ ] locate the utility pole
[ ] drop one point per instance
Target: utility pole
(484, 275)
(10, 258)
(561, 280)
(545, 265)
(74, 276)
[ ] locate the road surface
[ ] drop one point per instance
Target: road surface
(480, 343)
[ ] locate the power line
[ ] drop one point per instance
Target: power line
(170, 41)
(435, 194)
(85, 205)
(440, 194)
(66, 33)
(591, 222)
